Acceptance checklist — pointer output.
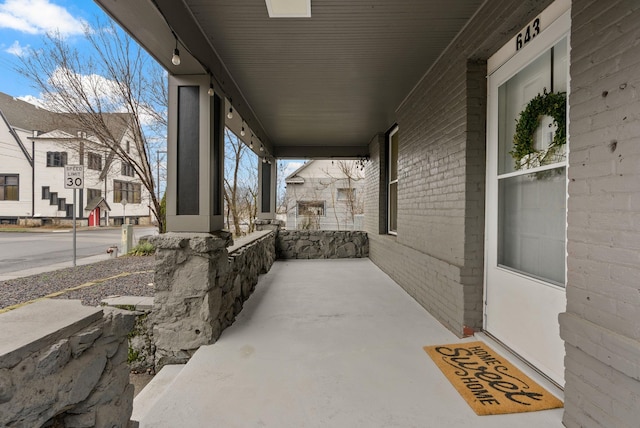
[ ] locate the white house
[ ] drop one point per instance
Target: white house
(36, 144)
(326, 195)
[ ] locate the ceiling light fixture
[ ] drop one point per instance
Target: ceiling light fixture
(175, 59)
(230, 114)
(242, 133)
(211, 90)
(289, 8)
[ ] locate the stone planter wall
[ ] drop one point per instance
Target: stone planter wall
(200, 287)
(64, 365)
(321, 244)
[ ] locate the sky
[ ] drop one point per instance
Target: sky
(23, 24)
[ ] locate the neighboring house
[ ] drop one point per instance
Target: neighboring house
(326, 195)
(36, 144)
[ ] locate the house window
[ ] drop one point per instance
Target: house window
(45, 192)
(311, 208)
(62, 204)
(127, 169)
(127, 146)
(393, 182)
(8, 187)
(94, 161)
(69, 210)
(56, 158)
(53, 198)
(126, 190)
(348, 194)
(93, 194)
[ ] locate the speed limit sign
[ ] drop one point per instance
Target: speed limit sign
(74, 177)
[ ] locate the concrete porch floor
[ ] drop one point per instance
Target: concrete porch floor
(325, 343)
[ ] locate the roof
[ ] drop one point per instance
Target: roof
(98, 201)
(23, 115)
(292, 179)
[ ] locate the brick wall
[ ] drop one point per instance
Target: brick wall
(438, 254)
(601, 327)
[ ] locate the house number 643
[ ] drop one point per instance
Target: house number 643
(528, 34)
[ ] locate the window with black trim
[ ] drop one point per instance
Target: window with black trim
(93, 193)
(393, 182)
(45, 192)
(124, 190)
(94, 161)
(9, 187)
(127, 169)
(56, 158)
(311, 208)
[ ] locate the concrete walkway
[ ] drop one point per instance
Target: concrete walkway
(325, 344)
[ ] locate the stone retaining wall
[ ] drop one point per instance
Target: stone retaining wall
(200, 287)
(64, 365)
(321, 244)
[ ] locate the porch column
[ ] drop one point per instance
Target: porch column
(195, 156)
(267, 179)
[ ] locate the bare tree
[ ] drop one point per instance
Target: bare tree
(240, 184)
(350, 172)
(115, 87)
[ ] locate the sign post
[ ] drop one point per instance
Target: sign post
(74, 179)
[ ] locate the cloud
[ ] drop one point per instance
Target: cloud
(17, 50)
(38, 17)
(291, 166)
(33, 100)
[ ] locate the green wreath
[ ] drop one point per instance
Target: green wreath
(552, 104)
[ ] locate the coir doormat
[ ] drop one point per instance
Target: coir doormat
(488, 382)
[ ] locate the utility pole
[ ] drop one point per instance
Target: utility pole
(158, 171)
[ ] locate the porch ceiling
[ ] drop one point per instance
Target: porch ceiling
(315, 86)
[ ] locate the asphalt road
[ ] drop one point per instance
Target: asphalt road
(20, 251)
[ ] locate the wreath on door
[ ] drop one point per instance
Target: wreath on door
(553, 104)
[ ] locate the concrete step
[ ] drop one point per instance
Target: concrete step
(161, 382)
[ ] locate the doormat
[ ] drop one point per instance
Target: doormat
(488, 382)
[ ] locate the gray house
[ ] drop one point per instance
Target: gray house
(502, 186)
(326, 195)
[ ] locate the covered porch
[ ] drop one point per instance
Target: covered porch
(321, 343)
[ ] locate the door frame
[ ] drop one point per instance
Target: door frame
(501, 68)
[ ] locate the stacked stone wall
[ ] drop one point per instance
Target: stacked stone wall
(321, 244)
(200, 288)
(65, 365)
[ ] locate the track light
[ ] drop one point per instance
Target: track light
(210, 91)
(251, 141)
(264, 160)
(175, 59)
(230, 114)
(261, 148)
(242, 133)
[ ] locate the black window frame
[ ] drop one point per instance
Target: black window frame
(94, 161)
(56, 159)
(4, 186)
(128, 190)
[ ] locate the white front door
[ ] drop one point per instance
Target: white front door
(526, 206)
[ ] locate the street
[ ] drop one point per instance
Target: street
(19, 251)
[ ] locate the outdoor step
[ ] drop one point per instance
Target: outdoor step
(160, 383)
